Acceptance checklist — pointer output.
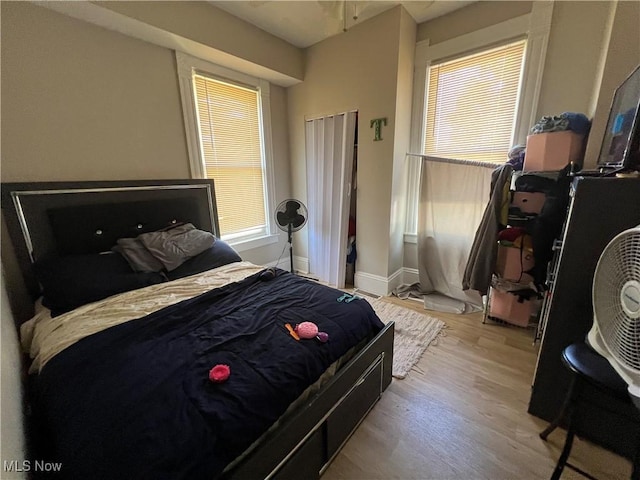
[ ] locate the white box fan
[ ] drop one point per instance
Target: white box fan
(615, 333)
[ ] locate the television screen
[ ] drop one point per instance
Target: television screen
(622, 135)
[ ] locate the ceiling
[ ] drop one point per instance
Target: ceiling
(303, 23)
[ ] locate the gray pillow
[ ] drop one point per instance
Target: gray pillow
(175, 246)
(137, 255)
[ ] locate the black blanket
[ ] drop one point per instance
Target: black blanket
(135, 401)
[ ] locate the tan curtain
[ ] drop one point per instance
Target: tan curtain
(452, 201)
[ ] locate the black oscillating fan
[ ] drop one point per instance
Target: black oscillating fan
(291, 216)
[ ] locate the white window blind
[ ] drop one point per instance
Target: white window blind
(231, 143)
(472, 104)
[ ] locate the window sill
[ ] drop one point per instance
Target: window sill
(241, 245)
(410, 238)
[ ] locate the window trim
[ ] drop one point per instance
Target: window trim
(535, 28)
(187, 65)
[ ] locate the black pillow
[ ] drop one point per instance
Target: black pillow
(219, 254)
(72, 281)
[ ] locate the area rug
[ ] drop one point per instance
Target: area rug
(414, 332)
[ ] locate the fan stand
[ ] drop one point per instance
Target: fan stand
(290, 216)
(290, 246)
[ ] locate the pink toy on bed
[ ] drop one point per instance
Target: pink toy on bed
(307, 330)
(219, 373)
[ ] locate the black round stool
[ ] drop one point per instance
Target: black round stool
(586, 365)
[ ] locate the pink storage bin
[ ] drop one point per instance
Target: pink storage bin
(506, 306)
(552, 151)
(528, 202)
(512, 262)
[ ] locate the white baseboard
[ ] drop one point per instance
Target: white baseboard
(410, 276)
(300, 264)
(395, 280)
(379, 285)
(368, 282)
(371, 283)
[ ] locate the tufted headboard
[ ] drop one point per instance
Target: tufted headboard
(62, 218)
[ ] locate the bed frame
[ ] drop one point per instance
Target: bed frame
(61, 218)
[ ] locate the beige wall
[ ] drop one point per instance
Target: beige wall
(622, 55)
(83, 103)
(109, 105)
(80, 102)
(582, 65)
(410, 257)
(404, 98)
(355, 70)
(211, 26)
(575, 48)
(576, 39)
(471, 18)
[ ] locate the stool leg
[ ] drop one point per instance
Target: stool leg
(564, 456)
(563, 411)
(635, 473)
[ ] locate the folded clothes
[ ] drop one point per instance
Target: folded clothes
(548, 124)
(576, 122)
(515, 151)
(516, 157)
(510, 234)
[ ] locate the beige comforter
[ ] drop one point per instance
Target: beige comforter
(44, 337)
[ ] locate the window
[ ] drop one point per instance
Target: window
(471, 104)
(227, 121)
(445, 95)
(231, 149)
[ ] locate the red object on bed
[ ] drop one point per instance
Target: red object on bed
(219, 373)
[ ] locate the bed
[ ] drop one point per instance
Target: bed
(119, 386)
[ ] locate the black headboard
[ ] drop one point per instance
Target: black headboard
(62, 218)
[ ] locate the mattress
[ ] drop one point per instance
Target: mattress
(123, 383)
(43, 337)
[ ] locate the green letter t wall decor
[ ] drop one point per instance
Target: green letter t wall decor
(378, 122)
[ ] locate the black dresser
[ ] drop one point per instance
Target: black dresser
(600, 208)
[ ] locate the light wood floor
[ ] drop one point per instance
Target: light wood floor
(461, 413)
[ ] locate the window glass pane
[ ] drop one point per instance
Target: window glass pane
(229, 126)
(471, 104)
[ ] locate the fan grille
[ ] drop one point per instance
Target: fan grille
(616, 281)
(290, 213)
